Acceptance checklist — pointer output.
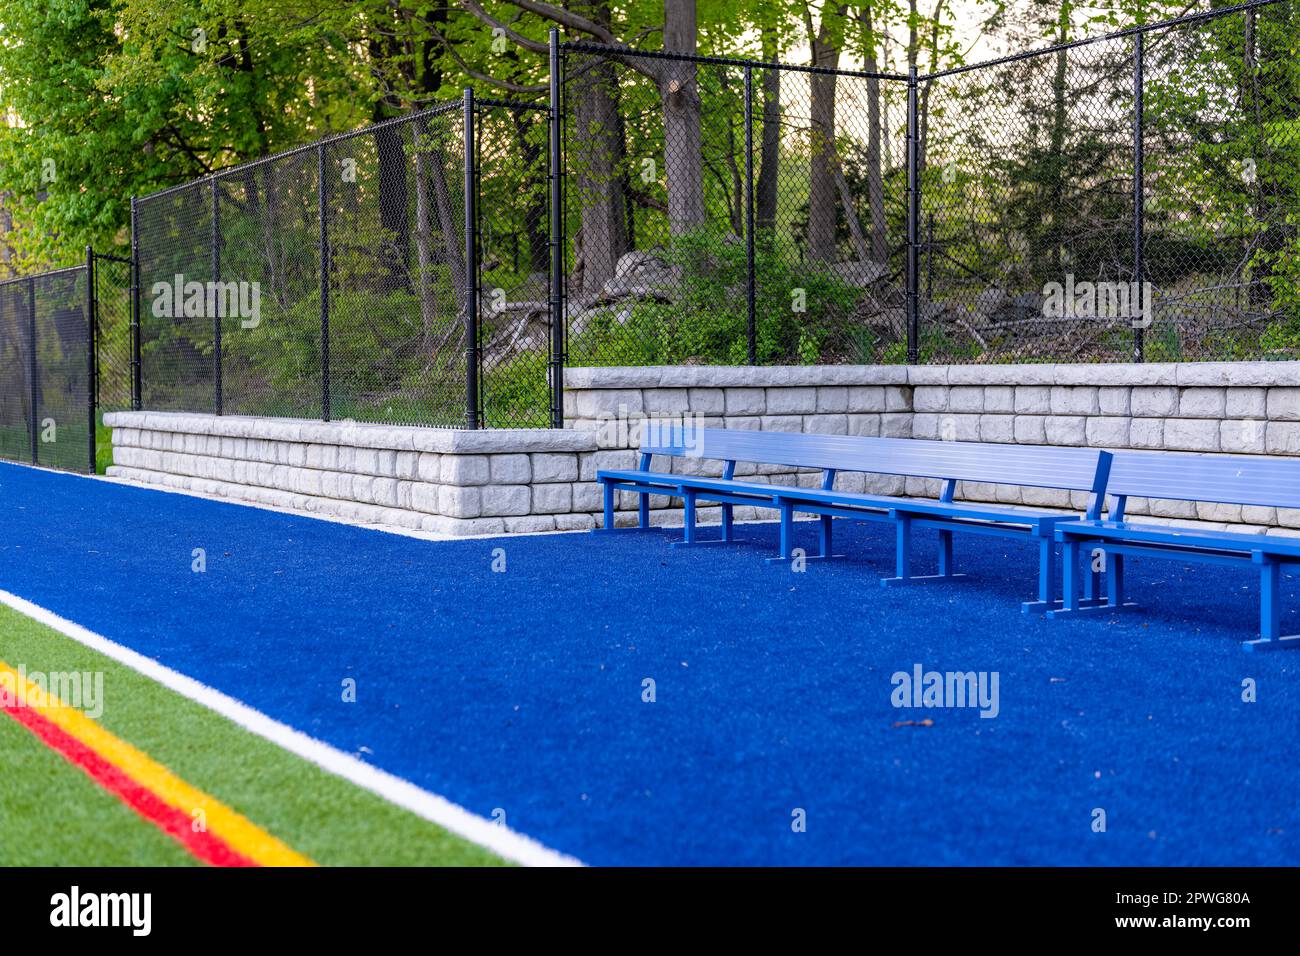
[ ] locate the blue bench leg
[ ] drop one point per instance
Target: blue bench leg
(610, 489)
(945, 554)
(1070, 575)
(903, 548)
(1114, 599)
(1046, 578)
(689, 535)
(903, 557)
(1270, 612)
(824, 536)
(787, 531)
(785, 541)
(1091, 582)
(1115, 579)
(643, 511)
(691, 539)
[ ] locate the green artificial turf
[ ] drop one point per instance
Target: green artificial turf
(51, 813)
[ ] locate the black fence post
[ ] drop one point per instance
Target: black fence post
(1139, 199)
(557, 238)
(33, 368)
(216, 300)
(323, 213)
(913, 220)
(136, 390)
(92, 356)
(751, 329)
(471, 269)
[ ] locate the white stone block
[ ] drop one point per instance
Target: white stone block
(1192, 434)
(1074, 400)
(745, 401)
(1030, 429)
(501, 500)
(898, 398)
(863, 398)
(1033, 400)
(1246, 403)
(1146, 433)
(930, 399)
(464, 470)
(707, 401)
(1114, 401)
(1202, 403)
(552, 498)
(1108, 432)
(1000, 398)
(1246, 436)
(551, 467)
(791, 401)
(867, 426)
(1284, 404)
(1154, 401)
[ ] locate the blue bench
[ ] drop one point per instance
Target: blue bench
(1074, 469)
(1242, 480)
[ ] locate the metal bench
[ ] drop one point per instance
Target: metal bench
(1073, 469)
(1242, 480)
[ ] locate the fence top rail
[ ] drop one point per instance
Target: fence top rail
(42, 275)
(581, 46)
(439, 110)
(1136, 30)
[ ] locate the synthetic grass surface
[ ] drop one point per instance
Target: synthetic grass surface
(52, 814)
(522, 692)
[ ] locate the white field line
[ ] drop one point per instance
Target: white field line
(499, 839)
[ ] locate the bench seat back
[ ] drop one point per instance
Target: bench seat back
(1224, 479)
(1039, 466)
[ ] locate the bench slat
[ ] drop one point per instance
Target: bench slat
(1040, 466)
(1183, 537)
(1231, 479)
(919, 506)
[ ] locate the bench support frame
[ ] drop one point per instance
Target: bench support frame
(1269, 565)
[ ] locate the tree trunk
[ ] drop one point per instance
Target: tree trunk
(875, 170)
(536, 223)
(822, 198)
(683, 160)
(1056, 156)
(597, 155)
(765, 188)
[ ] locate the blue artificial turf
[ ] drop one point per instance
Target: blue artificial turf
(523, 690)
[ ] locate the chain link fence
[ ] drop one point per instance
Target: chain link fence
(731, 212)
(47, 415)
(1128, 197)
(385, 275)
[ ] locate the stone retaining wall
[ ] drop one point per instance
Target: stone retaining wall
(506, 481)
(439, 480)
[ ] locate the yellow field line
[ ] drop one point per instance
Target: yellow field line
(237, 831)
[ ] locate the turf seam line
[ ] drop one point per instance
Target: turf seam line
(510, 844)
